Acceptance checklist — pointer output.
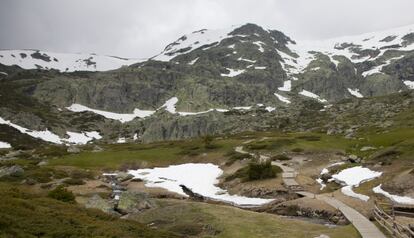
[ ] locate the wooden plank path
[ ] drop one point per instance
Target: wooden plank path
(366, 228)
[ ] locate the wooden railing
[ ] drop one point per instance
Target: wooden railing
(388, 222)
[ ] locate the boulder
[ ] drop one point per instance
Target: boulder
(97, 148)
(134, 202)
(14, 171)
(354, 159)
(122, 176)
(99, 203)
(73, 149)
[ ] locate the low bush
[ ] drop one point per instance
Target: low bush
(62, 194)
(297, 150)
(74, 181)
(256, 171)
(81, 174)
(309, 138)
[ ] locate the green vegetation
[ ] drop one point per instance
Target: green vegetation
(208, 220)
(26, 214)
(256, 171)
(234, 156)
(62, 194)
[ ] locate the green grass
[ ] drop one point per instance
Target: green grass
(155, 154)
(229, 222)
(24, 214)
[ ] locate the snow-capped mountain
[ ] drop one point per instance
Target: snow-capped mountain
(64, 62)
(207, 81)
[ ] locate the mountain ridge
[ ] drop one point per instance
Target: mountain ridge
(214, 78)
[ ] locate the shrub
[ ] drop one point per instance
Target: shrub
(297, 150)
(281, 157)
(81, 174)
(74, 181)
(309, 138)
(255, 171)
(62, 194)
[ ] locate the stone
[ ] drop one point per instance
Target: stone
(354, 159)
(134, 202)
(73, 149)
(14, 171)
(122, 176)
(99, 203)
(367, 148)
(42, 163)
(97, 148)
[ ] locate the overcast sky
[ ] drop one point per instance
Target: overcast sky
(142, 28)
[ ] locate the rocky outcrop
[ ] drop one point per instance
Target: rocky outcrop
(13, 171)
(134, 202)
(99, 203)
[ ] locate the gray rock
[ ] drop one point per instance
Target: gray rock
(42, 163)
(122, 176)
(367, 148)
(354, 159)
(134, 202)
(99, 203)
(97, 148)
(73, 149)
(14, 171)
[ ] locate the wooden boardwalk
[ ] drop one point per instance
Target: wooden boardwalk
(366, 228)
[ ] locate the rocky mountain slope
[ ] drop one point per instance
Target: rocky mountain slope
(36, 59)
(207, 82)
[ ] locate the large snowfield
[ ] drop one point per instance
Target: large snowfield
(200, 178)
(64, 62)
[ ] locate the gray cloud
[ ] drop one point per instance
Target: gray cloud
(138, 28)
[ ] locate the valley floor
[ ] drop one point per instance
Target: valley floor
(159, 212)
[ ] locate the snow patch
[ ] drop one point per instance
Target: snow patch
(63, 62)
(169, 105)
(353, 177)
(355, 92)
(282, 98)
(43, 135)
(5, 145)
(200, 178)
(311, 95)
(233, 72)
(378, 69)
(247, 60)
(48, 136)
(81, 138)
(260, 45)
(192, 62)
(122, 117)
(287, 86)
(395, 198)
(409, 84)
